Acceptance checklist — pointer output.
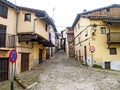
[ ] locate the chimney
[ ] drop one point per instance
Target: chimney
(85, 10)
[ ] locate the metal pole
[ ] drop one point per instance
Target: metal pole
(15, 2)
(92, 59)
(12, 83)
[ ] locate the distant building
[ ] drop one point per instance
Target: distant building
(63, 40)
(70, 42)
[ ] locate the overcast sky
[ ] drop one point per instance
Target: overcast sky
(64, 11)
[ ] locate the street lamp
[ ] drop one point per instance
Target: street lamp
(94, 28)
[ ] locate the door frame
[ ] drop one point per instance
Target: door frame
(107, 65)
(40, 56)
(23, 64)
(85, 54)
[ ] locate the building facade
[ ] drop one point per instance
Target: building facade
(70, 42)
(7, 36)
(28, 31)
(63, 39)
(97, 38)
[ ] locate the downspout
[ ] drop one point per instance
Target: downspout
(34, 25)
(17, 15)
(108, 9)
(109, 34)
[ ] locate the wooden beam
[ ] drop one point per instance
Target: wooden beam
(26, 37)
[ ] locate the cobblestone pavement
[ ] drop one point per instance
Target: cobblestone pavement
(62, 73)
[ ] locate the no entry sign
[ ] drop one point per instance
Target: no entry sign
(13, 56)
(92, 48)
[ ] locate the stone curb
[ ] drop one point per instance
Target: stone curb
(23, 86)
(19, 82)
(104, 70)
(30, 86)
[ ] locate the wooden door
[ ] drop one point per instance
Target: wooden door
(40, 56)
(51, 52)
(85, 54)
(24, 62)
(107, 65)
(79, 55)
(4, 69)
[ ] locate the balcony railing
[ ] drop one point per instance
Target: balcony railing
(113, 38)
(7, 40)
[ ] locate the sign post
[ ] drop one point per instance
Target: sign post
(92, 49)
(12, 58)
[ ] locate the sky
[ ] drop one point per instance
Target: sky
(64, 12)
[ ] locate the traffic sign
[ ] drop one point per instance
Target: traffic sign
(13, 55)
(92, 48)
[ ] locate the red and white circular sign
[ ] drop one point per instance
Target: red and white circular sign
(13, 55)
(92, 48)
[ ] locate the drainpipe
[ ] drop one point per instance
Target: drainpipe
(109, 34)
(13, 72)
(17, 14)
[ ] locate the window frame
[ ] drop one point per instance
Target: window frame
(78, 26)
(2, 35)
(113, 52)
(3, 11)
(86, 33)
(26, 17)
(79, 39)
(103, 30)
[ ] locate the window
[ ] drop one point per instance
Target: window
(79, 39)
(46, 27)
(86, 33)
(75, 29)
(103, 30)
(78, 26)
(28, 17)
(3, 11)
(2, 28)
(113, 51)
(2, 35)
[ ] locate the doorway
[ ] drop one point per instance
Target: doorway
(4, 69)
(24, 62)
(107, 65)
(40, 56)
(85, 54)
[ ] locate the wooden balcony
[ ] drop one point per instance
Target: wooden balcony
(113, 38)
(34, 38)
(7, 41)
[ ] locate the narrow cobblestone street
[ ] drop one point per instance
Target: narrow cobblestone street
(62, 73)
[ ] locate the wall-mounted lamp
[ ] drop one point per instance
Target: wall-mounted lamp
(94, 28)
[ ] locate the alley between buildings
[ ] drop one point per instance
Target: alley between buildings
(63, 73)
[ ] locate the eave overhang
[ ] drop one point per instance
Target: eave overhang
(7, 3)
(93, 17)
(40, 14)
